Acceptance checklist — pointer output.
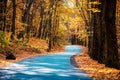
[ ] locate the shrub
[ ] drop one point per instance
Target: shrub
(4, 41)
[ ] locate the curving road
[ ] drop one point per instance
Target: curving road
(47, 67)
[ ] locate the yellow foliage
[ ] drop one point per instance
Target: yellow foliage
(95, 10)
(95, 2)
(7, 36)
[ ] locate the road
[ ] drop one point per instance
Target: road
(47, 67)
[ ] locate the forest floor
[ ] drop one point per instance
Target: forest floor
(94, 69)
(35, 47)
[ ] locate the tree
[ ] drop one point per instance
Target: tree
(13, 19)
(42, 11)
(3, 5)
(26, 18)
(53, 23)
(105, 48)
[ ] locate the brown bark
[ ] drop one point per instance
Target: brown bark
(26, 18)
(104, 35)
(3, 5)
(13, 19)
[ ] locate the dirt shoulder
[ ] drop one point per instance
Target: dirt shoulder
(23, 53)
(35, 47)
(93, 68)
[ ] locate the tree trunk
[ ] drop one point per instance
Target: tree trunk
(4, 17)
(41, 22)
(26, 18)
(3, 5)
(13, 19)
(112, 50)
(104, 35)
(51, 25)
